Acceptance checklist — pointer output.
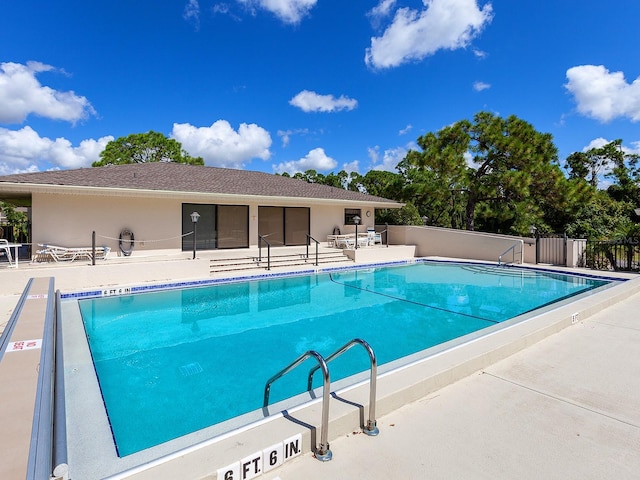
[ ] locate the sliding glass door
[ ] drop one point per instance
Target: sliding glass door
(284, 225)
(219, 226)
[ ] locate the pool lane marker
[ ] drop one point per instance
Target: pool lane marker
(400, 299)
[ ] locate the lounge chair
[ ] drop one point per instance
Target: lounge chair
(344, 241)
(64, 254)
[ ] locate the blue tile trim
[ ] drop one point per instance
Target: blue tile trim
(215, 281)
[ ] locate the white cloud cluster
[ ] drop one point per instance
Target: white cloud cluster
(221, 146)
(308, 101)
(191, 13)
(24, 150)
(603, 95)
(480, 86)
(289, 11)
(414, 35)
(316, 159)
(21, 94)
(389, 159)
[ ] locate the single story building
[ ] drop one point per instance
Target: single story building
(154, 201)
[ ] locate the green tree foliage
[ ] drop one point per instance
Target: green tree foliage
(497, 165)
(382, 184)
(609, 161)
(406, 215)
(16, 220)
(600, 218)
(145, 147)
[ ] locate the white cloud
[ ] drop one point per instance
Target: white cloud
(389, 159)
(374, 154)
(601, 142)
(24, 150)
(414, 35)
(596, 143)
(351, 167)
(406, 130)
(382, 10)
(286, 135)
(191, 13)
(289, 11)
(479, 86)
(603, 95)
(313, 102)
(316, 159)
(221, 146)
(21, 95)
(479, 53)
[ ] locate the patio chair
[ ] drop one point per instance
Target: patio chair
(64, 254)
(5, 249)
(373, 236)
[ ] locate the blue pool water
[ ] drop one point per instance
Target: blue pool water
(176, 361)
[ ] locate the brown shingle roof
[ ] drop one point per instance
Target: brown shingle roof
(175, 177)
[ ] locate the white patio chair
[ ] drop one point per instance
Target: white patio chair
(6, 250)
(373, 236)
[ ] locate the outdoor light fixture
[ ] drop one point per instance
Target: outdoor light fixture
(532, 230)
(425, 220)
(194, 218)
(356, 220)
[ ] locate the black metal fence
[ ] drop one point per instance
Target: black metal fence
(617, 255)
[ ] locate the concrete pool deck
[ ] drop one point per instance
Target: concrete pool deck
(565, 407)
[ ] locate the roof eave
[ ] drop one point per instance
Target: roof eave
(26, 188)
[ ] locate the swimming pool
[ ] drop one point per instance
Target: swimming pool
(176, 361)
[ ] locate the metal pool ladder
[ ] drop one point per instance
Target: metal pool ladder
(322, 451)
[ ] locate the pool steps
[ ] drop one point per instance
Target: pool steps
(218, 265)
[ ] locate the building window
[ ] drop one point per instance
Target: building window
(349, 213)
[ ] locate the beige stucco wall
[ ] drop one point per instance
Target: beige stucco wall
(69, 220)
(442, 242)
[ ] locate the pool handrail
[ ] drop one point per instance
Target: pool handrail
(513, 252)
(370, 428)
(263, 238)
(322, 452)
(309, 238)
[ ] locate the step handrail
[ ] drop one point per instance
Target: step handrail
(513, 252)
(309, 238)
(263, 238)
(323, 453)
(370, 428)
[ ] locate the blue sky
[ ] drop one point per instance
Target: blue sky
(291, 85)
